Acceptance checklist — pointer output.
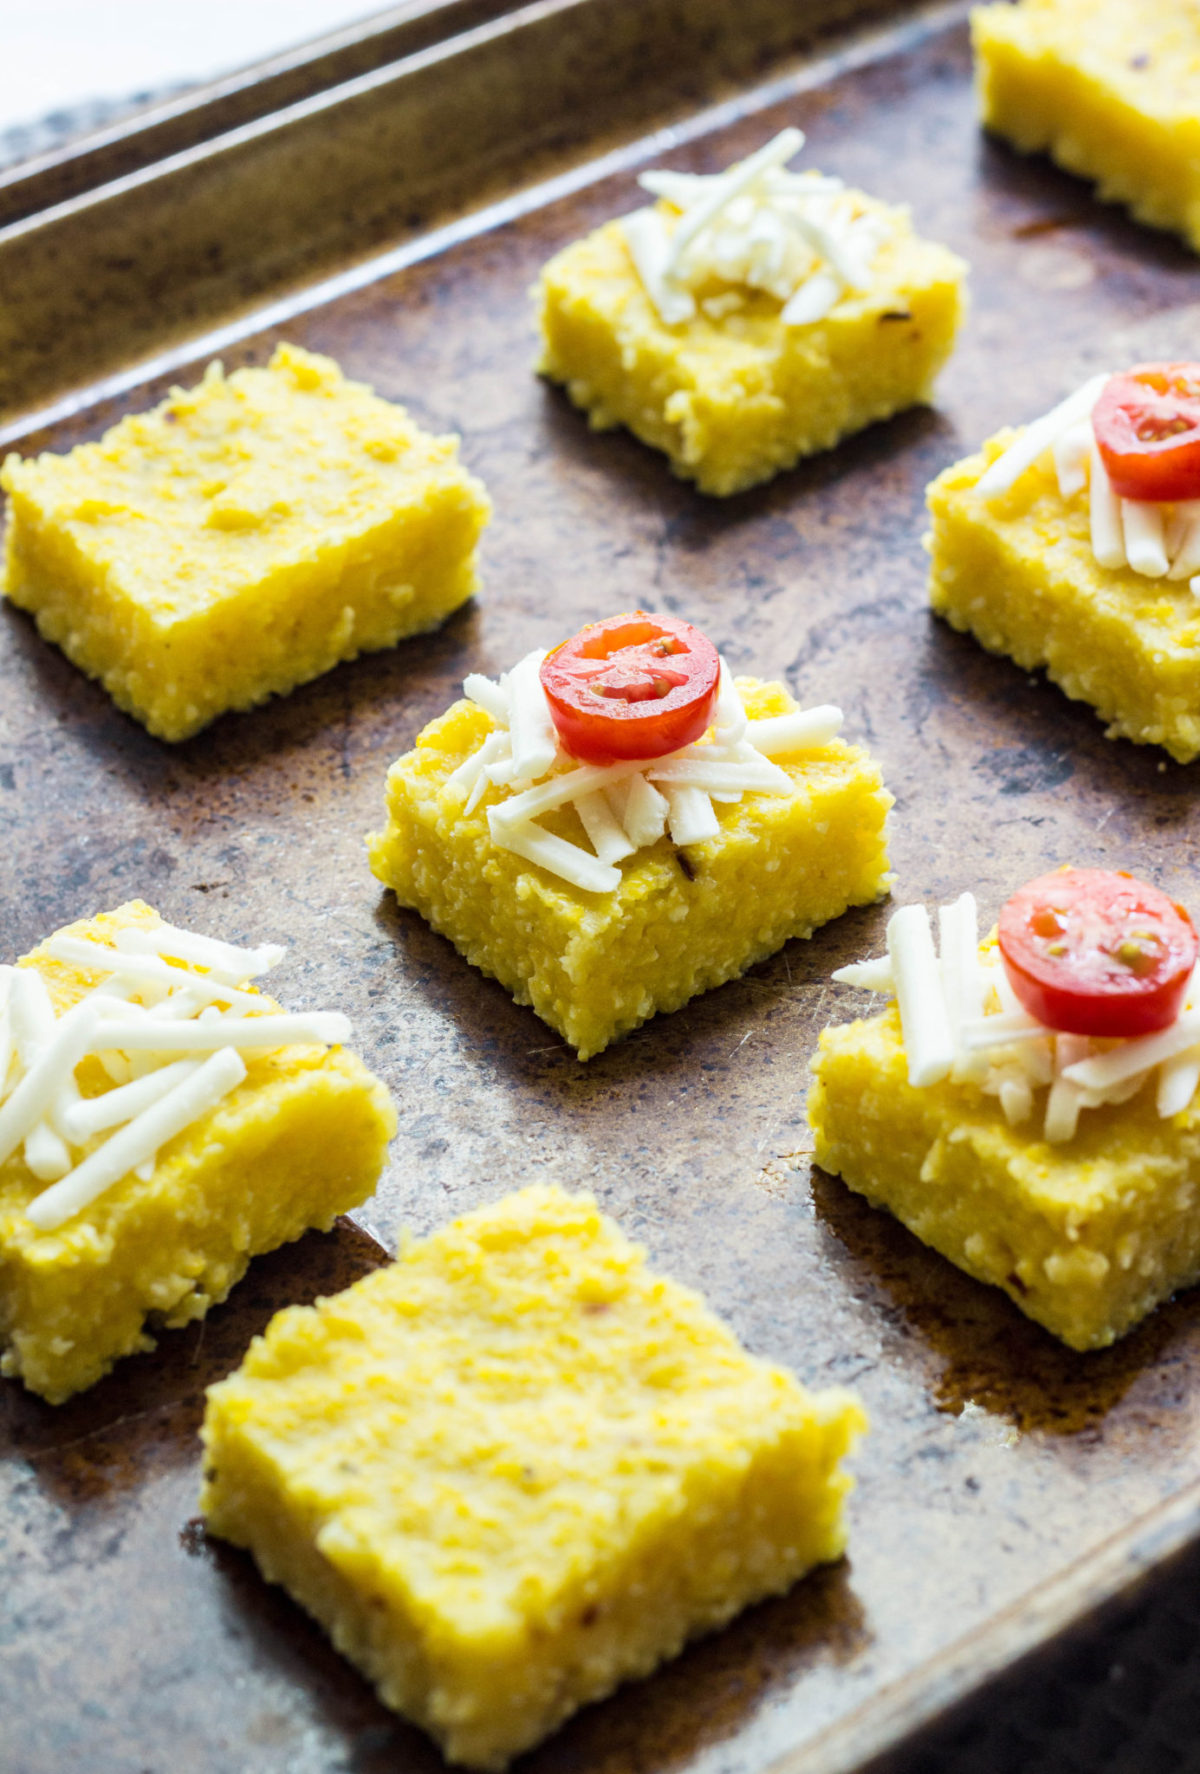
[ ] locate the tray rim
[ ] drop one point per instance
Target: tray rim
(1081, 1595)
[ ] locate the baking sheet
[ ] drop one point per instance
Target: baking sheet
(1008, 1485)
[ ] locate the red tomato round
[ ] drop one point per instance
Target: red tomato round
(1092, 952)
(1147, 426)
(632, 686)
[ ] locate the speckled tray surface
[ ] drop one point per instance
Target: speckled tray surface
(1008, 1485)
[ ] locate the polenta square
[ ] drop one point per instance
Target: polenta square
(749, 319)
(1083, 1239)
(1020, 572)
(517, 1467)
(1086, 1238)
(161, 1122)
(242, 538)
(1030, 1107)
(690, 883)
(1108, 89)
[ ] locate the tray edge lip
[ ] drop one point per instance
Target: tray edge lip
(1049, 1614)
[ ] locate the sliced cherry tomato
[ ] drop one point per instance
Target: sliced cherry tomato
(1147, 426)
(1091, 952)
(633, 686)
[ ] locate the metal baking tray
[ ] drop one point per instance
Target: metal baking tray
(1008, 1487)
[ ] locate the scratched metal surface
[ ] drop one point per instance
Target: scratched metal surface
(998, 1461)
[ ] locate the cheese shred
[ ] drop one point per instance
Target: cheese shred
(168, 1020)
(799, 237)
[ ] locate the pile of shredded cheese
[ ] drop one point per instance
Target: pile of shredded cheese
(799, 237)
(960, 1019)
(168, 1023)
(623, 807)
(1158, 539)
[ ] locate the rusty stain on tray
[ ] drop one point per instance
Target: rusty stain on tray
(997, 1458)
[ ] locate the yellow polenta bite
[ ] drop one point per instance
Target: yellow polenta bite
(749, 319)
(242, 538)
(517, 1467)
(161, 1122)
(1039, 551)
(617, 825)
(1108, 88)
(1029, 1107)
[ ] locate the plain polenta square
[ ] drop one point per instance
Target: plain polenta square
(595, 965)
(1086, 1238)
(1108, 89)
(242, 538)
(299, 1141)
(735, 399)
(517, 1467)
(1018, 572)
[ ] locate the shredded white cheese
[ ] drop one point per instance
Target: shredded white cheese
(605, 832)
(1038, 437)
(221, 960)
(6, 1026)
(928, 1039)
(1155, 539)
(140, 969)
(962, 981)
(113, 1108)
(162, 994)
(959, 1018)
(530, 724)
(1178, 1080)
(868, 976)
(139, 1139)
(799, 237)
(691, 816)
(623, 807)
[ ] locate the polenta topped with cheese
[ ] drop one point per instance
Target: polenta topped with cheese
(749, 318)
(161, 1122)
(604, 893)
(1029, 1107)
